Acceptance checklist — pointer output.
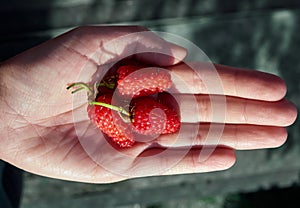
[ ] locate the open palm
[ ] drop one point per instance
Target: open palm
(46, 131)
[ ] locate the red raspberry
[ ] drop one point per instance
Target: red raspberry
(110, 122)
(132, 83)
(150, 117)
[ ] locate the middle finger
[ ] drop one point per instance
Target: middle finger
(232, 110)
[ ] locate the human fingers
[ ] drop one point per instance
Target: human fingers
(232, 110)
(194, 160)
(237, 82)
(152, 163)
(241, 137)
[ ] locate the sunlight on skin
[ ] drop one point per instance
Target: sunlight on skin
(38, 132)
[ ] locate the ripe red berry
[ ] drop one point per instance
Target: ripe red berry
(150, 117)
(133, 82)
(147, 116)
(110, 122)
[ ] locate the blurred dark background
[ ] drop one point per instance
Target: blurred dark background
(256, 34)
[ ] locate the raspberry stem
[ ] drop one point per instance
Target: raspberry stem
(80, 85)
(106, 84)
(83, 86)
(112, 107)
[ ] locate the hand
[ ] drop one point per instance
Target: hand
(39, 133)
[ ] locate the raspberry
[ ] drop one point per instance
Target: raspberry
(132, 83)
(111, 124)
(150, 117)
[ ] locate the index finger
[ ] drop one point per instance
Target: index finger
(236, 82)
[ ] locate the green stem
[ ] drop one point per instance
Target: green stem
(112, 107)
(108, 85)
(82, 86)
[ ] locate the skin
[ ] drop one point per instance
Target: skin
(38, 131)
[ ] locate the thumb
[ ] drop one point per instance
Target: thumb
(165, 55)
(142, 44)
(152, 48)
